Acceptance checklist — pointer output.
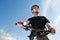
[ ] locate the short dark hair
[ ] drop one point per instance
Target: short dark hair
(34, 6)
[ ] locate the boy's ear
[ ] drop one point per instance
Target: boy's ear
(32, 11)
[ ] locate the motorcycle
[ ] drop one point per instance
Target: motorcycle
(35, 33)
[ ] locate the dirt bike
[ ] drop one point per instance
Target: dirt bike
(37, 33)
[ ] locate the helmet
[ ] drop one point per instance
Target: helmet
(34, 6)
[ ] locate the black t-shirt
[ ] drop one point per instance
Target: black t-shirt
(38, 22)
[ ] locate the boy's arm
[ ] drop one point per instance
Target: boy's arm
(50, 27)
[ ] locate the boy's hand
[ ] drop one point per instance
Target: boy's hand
(53, 30)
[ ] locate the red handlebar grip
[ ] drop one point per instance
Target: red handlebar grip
(20, 22)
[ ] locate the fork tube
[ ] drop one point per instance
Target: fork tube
(35, 38)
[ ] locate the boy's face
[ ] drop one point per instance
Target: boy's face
(35, 10)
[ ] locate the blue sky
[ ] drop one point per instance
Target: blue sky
(12, 11)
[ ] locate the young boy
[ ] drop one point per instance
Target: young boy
(38, 22)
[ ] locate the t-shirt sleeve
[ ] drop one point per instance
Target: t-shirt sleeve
(46, 20)
(29, 20)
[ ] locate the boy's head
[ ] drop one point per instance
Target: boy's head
(35, 9)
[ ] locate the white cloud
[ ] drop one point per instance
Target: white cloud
(5, 36)
(56, 20)
(56, 7)
(46, 6)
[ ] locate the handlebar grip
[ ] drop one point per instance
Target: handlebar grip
(19, 22)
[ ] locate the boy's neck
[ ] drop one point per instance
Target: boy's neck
(35, 15)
